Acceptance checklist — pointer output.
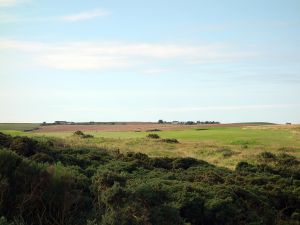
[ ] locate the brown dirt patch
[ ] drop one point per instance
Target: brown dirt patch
(127, 127)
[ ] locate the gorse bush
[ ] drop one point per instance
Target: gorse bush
(24, 146)
(42, 158)
(42, 183)
(5, 140)
(170, 140)
(79, 133)
(82, 135)
(266, 157)
(153, 130)
(153, 136)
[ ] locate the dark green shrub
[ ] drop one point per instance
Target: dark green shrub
(170, 140)
(87, 136)
(35, 195)
(153, 130)
(106, 179)
(94, 186)
(267, 157)
(79, 133)
(137, 155)
(284, 159)
(42, 158)
(153, 136)
(9, 161)
(82, 135)
(245, 167)
(115, 195)
(192, 207)
(185, 163)
(165, 163)
(165, 215)
(5, 140)
(4, 188)
(24, 146)
(125, 214)
(153, 194)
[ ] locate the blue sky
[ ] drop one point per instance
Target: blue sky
(229, 61)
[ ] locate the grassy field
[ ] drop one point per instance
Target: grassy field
(18, 126)
(223, 146)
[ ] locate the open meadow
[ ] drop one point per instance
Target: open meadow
(222, 145)
(149, 174)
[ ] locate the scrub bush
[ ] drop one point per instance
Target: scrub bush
(170, 140)
(153, 136)
(54, 184)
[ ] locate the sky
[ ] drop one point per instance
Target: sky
(79, 60)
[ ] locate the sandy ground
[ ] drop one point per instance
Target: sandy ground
(127, 127)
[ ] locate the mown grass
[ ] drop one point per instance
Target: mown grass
(18, 126)
(221, 146)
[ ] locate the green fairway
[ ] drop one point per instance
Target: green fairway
(218, 145)
(18, 126)
(230, 135)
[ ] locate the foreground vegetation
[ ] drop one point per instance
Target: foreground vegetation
(47, 181)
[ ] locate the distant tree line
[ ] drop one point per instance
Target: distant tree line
(80, 123)
(187, 122)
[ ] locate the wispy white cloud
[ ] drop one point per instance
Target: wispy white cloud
(8, 3)
(24, 46)
(82, 62)
(86, 15)
(178, 109)
(103, 55)
(81, 16)
(154, 71)
(226, 108)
